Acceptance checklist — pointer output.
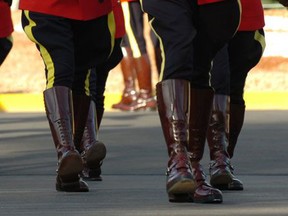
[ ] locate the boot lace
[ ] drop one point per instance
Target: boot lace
(63, 129)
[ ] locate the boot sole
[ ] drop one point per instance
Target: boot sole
(71, 165)
(231, 186)
(91, 174)
(74, 186)
(181, 198)
(215, 198)
(223, 179)
(95, 155)
(182, 191)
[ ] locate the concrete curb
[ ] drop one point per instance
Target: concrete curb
(34, 102)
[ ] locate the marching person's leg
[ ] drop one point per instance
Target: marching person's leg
(221, 174)
(173, 90)
(59, 68)
(252, 45)
(210, 38)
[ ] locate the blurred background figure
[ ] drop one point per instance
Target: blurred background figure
(6, 29)
(135, 64)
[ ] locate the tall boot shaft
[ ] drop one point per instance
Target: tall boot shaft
(92, 151)
(81, 105)
(91, 129)
(218, 127)
(237, 114)
(221, 173)
(200, 111)
(59, 111)
(173, 101)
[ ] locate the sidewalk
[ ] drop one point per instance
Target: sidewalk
(134, 170)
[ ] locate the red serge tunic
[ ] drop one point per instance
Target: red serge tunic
(129, 0)
(252, 17)
(119, 19)
(72, 9)
(6, 24)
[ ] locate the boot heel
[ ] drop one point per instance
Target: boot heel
(213, 198)
(222, 179)
(70, 165)
(75, 185)
(95, 154)
(185, 197)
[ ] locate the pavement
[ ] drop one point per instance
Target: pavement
(134, 169)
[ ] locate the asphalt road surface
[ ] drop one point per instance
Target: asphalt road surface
(134, 169)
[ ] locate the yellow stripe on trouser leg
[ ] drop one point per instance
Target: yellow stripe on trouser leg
(44, 53)
(130, 34)
(162, 50)
(87, 83)
(112, 29)
(261, 39)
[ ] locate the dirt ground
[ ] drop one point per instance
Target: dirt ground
(23, 69)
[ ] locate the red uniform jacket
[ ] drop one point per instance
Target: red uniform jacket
(119, 18)
(73, 9)
(129, 1)
(6, 24)
(252, 17)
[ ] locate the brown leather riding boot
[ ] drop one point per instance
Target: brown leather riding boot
(173, 100)
(59, 111)
(81, 105)
(237, 114)
(92, 151)
(128, 71)
(221, 175)
(145, 98)
(200, 110)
